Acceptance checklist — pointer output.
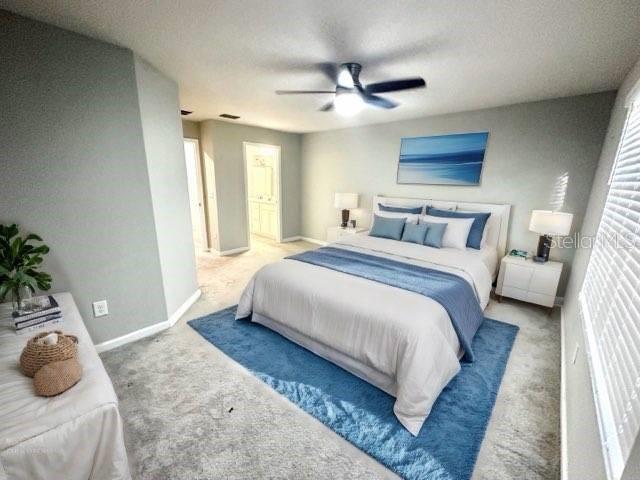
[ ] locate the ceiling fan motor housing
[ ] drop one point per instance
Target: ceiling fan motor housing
(354, 69)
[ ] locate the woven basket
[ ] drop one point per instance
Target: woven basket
(36, 355)
(57, 377)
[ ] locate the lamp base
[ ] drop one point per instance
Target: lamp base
(345, 218)
(544, 247)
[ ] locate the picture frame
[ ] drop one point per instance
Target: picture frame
(453, 159)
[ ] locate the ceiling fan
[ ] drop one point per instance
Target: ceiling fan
(351, 95)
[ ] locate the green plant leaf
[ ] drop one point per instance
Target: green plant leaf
(15, 247)
(41, 250)
(34, 261)
(32, 236)
(26, 279)
(19, 261)
(12, 231)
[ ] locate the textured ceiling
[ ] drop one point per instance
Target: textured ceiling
(230, 56)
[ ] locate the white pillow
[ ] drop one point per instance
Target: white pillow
(492, 226)
(456, 233)
(409, 217)
(492, 223)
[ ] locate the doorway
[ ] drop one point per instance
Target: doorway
(196, 194)
(262, 184)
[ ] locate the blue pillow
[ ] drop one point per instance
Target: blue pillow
(386, 208)
(435, 232)
(387, 227)
(415, 233)
(477, 227)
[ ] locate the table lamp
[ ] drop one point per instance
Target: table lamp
(547, 224)
(344, 202)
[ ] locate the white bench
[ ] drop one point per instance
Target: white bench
(75, 435)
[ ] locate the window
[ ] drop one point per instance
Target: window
(610, 305)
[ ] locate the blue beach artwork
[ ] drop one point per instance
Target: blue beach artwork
(442, 160)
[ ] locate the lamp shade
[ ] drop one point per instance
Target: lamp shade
(345, 201)
(546, 222)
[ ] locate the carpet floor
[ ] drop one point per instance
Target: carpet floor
(192, 412)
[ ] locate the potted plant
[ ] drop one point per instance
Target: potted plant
(19, 264)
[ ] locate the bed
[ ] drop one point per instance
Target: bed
(403, 342)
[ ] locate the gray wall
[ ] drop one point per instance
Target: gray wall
(531, 147)
(584, 454)
(162, 132)
(74, 170)
(221, 143)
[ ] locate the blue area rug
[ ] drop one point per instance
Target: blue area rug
(448, 444)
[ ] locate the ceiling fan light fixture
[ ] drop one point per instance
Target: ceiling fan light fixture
(348, 103)
(345, 79)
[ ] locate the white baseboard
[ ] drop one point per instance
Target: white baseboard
(132, 337)
(564, 461)
(182, 309)
(314, 240)
(291, 239)
(233, 251)
(306, 239)
(151, 329)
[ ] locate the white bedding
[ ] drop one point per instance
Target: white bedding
(489, 256)
(402, 335)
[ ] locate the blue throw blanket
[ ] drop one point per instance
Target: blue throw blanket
(452, 292)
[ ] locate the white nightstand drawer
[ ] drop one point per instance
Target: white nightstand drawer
(336, 233)
(544, 281)
(517, 276)
(528, 281)
(517, 293)
(540, 299)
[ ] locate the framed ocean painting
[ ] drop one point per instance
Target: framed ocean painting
(443, 159)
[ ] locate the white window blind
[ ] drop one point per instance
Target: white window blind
(610, 305)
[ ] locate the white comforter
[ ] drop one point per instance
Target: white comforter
(403, 335)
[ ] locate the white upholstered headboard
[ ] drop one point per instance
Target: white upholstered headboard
(497, 236)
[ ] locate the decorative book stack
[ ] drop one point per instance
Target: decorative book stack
(44, 312)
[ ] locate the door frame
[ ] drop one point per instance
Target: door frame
(278, 176)
(200, 186)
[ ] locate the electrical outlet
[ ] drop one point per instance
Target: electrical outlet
(100, 309)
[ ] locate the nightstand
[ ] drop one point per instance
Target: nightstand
(529, 281)
(335, 233)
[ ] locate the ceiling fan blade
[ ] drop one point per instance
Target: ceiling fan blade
(330, 71)
(327, 107)
(395, 85)
(302, 92)
(380, 102)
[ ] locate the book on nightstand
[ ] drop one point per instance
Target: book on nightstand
(44, 312)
